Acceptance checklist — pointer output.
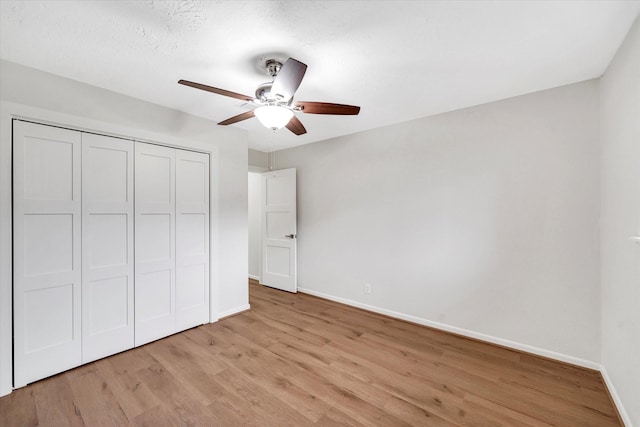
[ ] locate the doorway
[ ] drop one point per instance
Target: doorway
(255, 226)
(272, 226)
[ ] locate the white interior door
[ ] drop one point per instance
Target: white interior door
(192, 239)
(279, 229)
(107, 246)
(46, 251)
(155, 275)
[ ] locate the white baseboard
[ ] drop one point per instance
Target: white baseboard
(616, 397)
(251, 276)
(460, 331)
(233, 311)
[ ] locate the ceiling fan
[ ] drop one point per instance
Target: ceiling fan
(274, 100)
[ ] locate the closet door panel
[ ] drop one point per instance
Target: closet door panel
(107, 246)
(46, 251)
(155, 292)
(192, 239)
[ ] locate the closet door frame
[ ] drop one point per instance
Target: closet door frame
(9, 112)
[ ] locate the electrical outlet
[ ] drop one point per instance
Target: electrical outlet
(367, 288)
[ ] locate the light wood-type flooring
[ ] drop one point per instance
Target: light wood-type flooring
(297, 360)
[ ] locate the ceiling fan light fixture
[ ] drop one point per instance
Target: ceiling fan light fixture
(273, 116)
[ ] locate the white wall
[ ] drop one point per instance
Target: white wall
(483, 220)
(258, 159)
(255, 225)
(37, 94)
(620, 136)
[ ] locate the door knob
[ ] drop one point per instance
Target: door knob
(291, 236)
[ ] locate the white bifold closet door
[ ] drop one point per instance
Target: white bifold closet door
(155, 258)
(192, 239)
(107, 246)
(171, 241)
(46, 251)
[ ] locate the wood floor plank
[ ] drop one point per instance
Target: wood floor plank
(95, 401)
(19, 405)
(514, 374)
(134, 397)
(299, 360)
(336, 418)
(257, 332)
(496, 415)
(363, 387)
(268, 409)
(183, 405)
(427, 402)
(231, 409)
(350, 402)
(160, 416)
(56, 404)
(520, 399)
(180, 360)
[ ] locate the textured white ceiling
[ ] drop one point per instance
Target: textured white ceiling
(397, 60)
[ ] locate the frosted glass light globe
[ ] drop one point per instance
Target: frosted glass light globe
(273, 116)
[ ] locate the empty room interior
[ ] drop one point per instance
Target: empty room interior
(327, 213)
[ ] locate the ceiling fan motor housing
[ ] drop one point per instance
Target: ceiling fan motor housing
(263, 92)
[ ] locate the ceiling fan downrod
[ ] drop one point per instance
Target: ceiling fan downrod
(273, 67)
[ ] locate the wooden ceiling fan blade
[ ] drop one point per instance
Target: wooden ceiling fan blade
(216, 90)
(326, 108)
(238, 118)
(295, 126)
(288, 79)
